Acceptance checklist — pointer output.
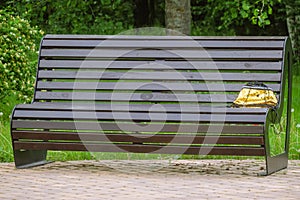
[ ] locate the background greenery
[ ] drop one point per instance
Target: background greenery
(23, 22)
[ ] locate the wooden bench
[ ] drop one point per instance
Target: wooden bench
(153, 94)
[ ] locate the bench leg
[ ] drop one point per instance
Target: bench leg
(30, 158)
(280, 161)
(275, 164)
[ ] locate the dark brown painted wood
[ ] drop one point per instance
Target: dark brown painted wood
(138, 116)
(163, 108)
(140, 138)
(211, 129)
(182, 76)
(173, 54)
(136, 97)
(145, 86)
(243, 151)
(187, 43)
(150, 37)
(160, 64)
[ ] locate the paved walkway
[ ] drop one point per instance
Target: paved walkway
(154, 179)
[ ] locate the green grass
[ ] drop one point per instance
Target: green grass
(295, 125)
(73, 155)
(6, 106)
(6, 154)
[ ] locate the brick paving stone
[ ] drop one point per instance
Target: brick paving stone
(149, 179)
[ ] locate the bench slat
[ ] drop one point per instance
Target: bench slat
(243, 151)
(140, 138)
(160, 43)
(111, 126)
(154, 37)
(174, 54)
(135, 97)
(158, 65)
(182, 76)
(176, 108)
(138, 116)
(145, 86)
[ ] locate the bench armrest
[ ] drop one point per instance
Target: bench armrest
(286, 84)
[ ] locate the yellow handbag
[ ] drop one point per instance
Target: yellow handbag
(255, 94)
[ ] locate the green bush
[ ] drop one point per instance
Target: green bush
(18, 57)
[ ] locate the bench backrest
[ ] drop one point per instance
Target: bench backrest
(208, 70)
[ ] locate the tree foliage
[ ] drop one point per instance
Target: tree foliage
(239, 17)
(209, 17)
(235, 11)
(77, 16)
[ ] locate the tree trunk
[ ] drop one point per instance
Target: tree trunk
(178, 17)
(293, 23)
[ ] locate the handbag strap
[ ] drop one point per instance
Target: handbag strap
(257, 85)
